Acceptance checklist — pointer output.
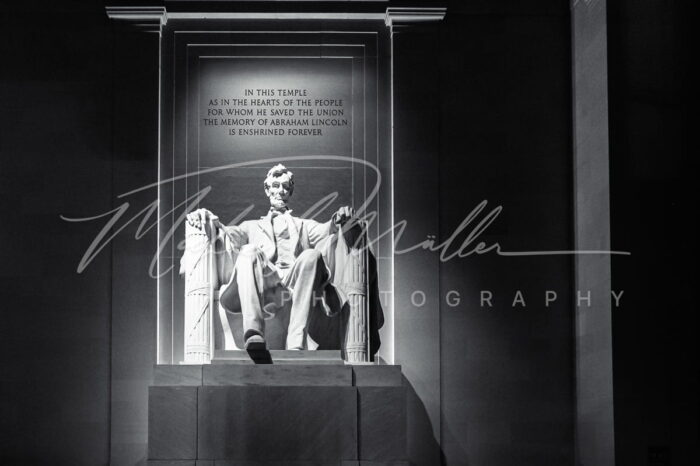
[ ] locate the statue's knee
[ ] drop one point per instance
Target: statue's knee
(249, 252)
(249, 249)
(310, 255)
(309, 258)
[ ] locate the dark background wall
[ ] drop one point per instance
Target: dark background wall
(76, 129)
(507, 371)
(652, 184)
(56, 158)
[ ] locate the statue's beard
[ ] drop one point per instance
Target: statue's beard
(278, 203)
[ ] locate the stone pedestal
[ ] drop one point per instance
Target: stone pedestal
(277, 414)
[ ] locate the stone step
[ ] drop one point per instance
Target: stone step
(278, 357)
(274, 375)
(274, 463)
(244, 374)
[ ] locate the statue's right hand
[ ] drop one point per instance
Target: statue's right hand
(201, 217)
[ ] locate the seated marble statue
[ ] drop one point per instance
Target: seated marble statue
(276, 259)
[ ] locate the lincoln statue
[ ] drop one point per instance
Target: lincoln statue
(273, 261)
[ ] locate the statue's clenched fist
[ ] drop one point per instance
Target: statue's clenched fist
(343, 215)
(201, 217)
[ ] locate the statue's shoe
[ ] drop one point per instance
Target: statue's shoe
(255, 343)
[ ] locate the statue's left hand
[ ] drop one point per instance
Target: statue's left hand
(201, 217)
(343, 215)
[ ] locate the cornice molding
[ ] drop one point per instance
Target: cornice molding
(148, 18)
(155, 17)
(411, 15)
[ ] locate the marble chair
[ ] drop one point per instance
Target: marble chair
(353, 271)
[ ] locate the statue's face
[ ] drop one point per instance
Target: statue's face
(279, 191)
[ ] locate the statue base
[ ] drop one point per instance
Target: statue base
(234, 413)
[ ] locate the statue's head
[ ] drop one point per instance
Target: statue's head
(279, 186)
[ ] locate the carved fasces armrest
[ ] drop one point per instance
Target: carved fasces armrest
(197, 245)
(224, 241)
(206, 264)
(198, 265)
(349, 266)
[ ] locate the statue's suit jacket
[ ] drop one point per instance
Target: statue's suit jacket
(303, 233)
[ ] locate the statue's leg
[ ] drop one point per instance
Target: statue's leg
(305, 278)
(250, 267)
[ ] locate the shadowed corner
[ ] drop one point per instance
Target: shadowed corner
(451, 443)
(423, 448)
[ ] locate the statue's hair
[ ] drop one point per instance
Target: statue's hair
(277, 171)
